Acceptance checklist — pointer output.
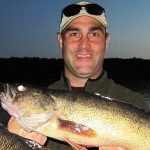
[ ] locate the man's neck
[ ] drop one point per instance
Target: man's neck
(77, 81)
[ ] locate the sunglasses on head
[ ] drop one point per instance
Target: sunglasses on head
(92, 9)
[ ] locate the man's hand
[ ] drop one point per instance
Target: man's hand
(111, 148)
(14, 127)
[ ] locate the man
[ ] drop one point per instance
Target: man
(83, 39)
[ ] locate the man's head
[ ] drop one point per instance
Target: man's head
(82, 8)
(83, 41)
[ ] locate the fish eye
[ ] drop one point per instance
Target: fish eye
(21, 88)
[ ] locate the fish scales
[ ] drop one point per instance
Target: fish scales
(115, 123)
(82, 118)
(11, 141)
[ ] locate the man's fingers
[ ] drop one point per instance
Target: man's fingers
(14, 127)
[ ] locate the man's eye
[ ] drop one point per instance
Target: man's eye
(94, 34)
(74, 34)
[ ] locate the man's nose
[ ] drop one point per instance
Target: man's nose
(84, 42)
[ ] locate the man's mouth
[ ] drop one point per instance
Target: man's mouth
(83, 56)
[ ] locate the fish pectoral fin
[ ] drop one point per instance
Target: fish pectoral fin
(76, 128)
(74, 145)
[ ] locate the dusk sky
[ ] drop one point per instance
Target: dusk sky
(28, 28)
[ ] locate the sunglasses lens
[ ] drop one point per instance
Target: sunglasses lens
(94, 9)
(71, 10)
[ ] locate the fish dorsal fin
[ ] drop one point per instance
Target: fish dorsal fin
(74, 145)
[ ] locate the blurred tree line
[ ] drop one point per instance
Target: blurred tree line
(43, 72)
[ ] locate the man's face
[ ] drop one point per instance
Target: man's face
(83, 45)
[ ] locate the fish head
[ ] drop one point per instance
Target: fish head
(30, 105)
(19, 95)
(16, 97)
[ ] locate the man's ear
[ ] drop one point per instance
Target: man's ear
(59, 37)
(107, 40)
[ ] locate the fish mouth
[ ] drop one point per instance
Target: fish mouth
(8, 94)
(7, 97)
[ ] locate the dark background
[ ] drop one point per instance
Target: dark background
(43, 72)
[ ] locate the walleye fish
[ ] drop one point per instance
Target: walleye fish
(11, 141)
(79, 118)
